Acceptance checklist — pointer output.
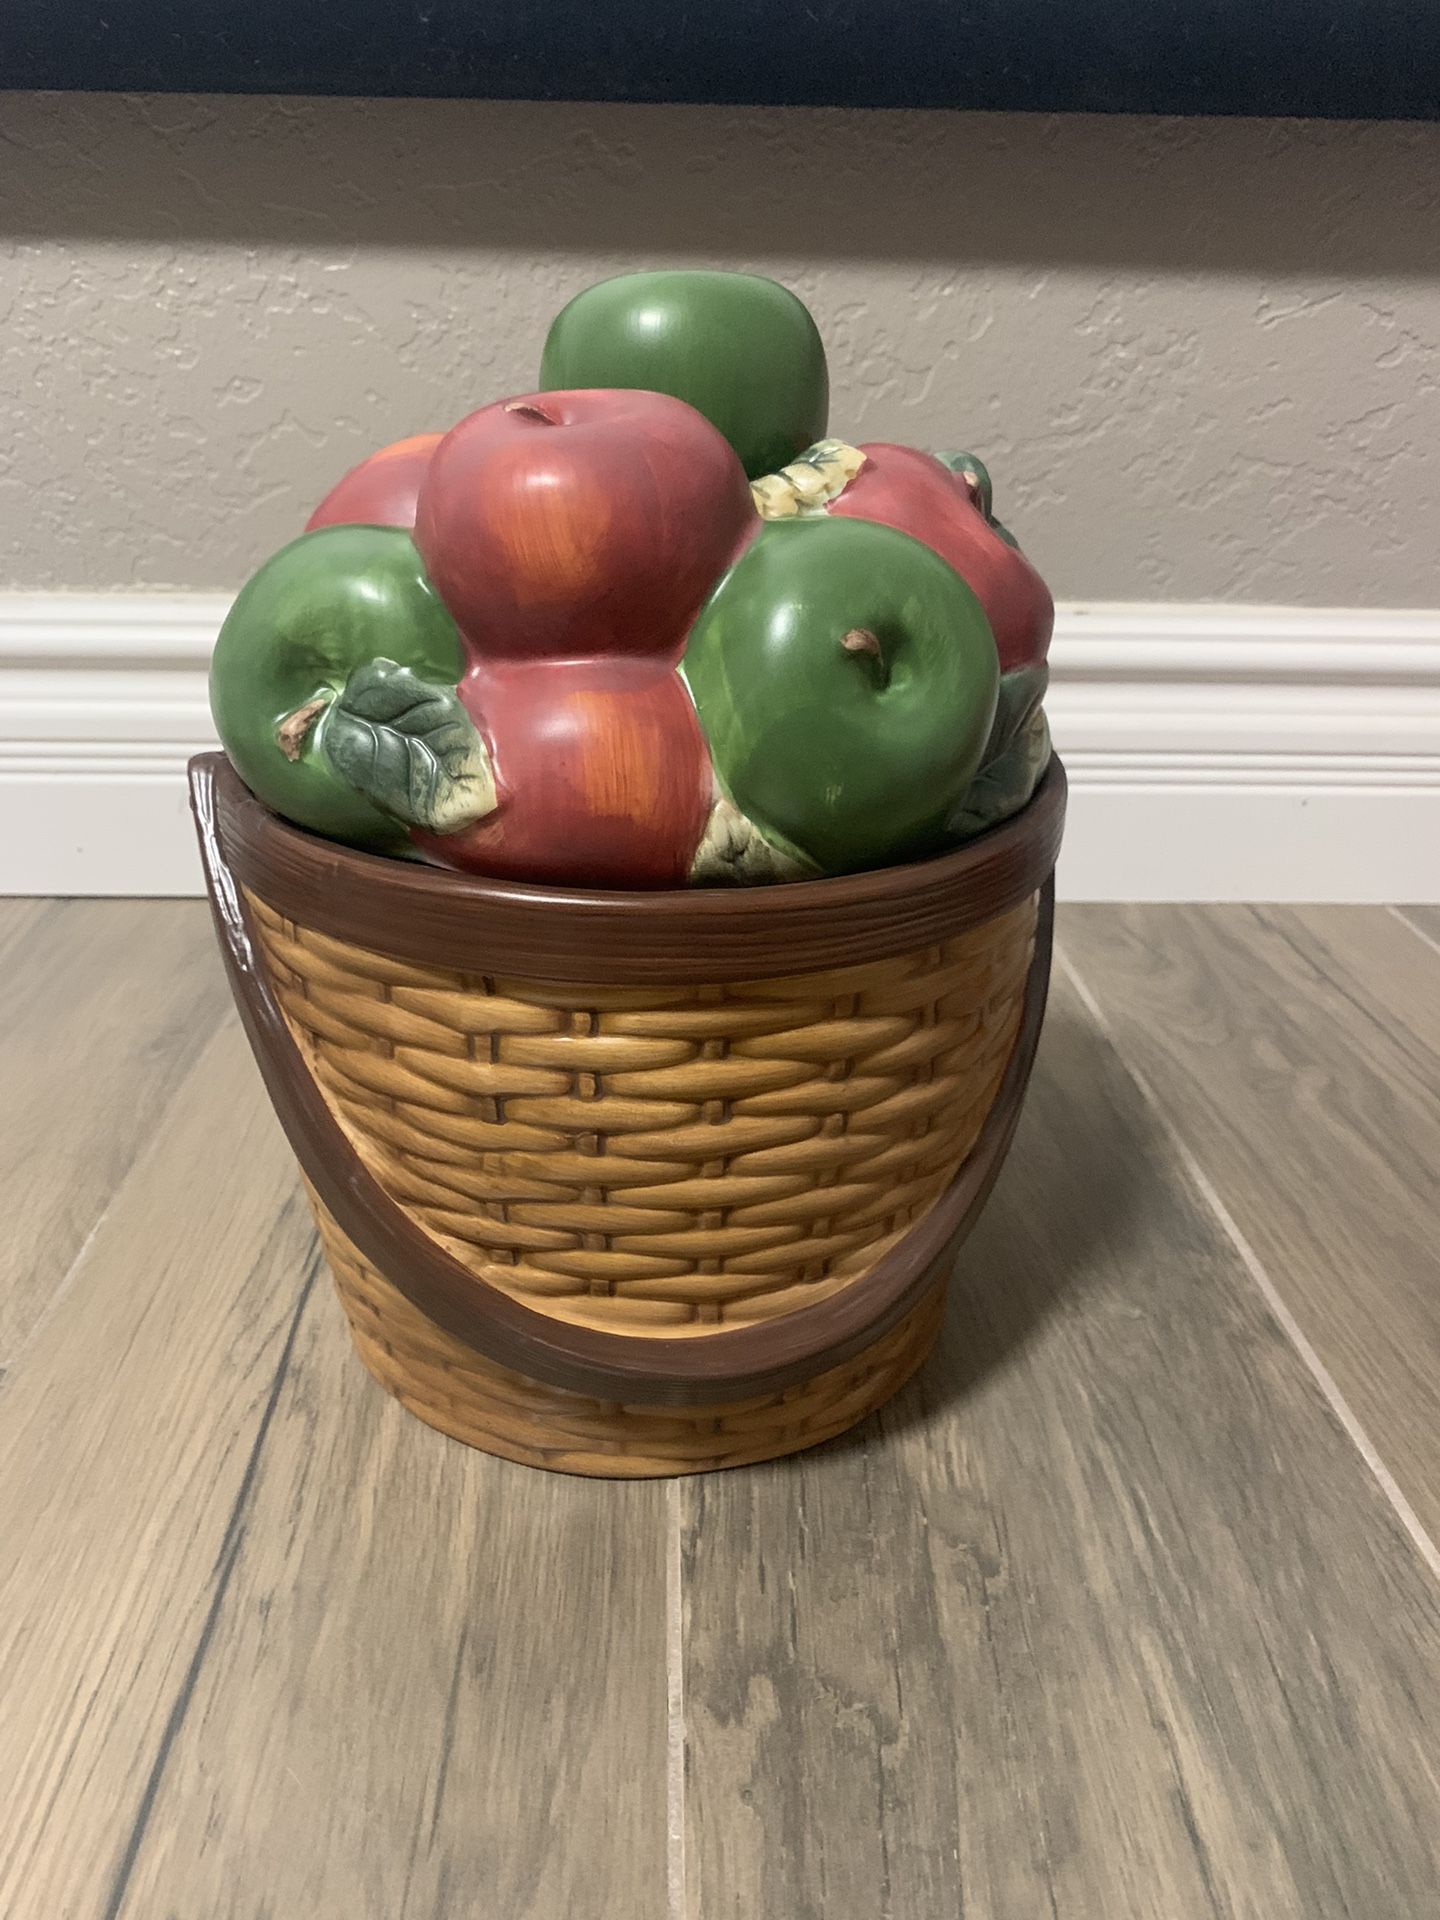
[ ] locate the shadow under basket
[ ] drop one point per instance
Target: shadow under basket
(634, 1184)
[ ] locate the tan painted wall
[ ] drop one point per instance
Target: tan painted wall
(1202, 357)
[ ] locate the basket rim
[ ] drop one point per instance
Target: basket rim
(431, 916)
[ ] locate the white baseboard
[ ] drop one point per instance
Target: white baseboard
(1249, 753)
(1214, 752)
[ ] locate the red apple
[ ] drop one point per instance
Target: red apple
(602, 775)
(382, 490)
(901, 487)
(567, 526)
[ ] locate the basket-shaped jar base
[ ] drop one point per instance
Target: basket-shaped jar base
(635, 1185)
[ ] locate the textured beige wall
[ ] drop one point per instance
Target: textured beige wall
(1202, 357)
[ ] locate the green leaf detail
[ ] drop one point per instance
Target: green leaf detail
(1005, 785)
(976, 475)
(410, 748)
(1021, 691)
(734, 852)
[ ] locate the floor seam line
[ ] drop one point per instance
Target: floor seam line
(1280, 1312)
(9, 1362)
(229, 1554)
(12, 1360)
(675, 1812)
(1410, 927)
(1392, 1029)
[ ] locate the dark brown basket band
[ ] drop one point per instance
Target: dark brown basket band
(697, 1370)
(437, 918)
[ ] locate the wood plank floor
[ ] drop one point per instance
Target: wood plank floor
(1297, 1054)
(1128, 1606)
(103, 1007)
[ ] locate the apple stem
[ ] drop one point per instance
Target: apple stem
(294, 729)
(861, 640)
(528, 410)
(862, 643)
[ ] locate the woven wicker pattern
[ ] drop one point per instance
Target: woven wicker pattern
(449, 1386)
(661, 1160)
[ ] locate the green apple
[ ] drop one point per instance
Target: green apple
(740, 349)
(328, 604)
(846, 678)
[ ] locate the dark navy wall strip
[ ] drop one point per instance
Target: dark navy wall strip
(1376, 59)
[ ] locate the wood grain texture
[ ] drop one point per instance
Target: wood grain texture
(1425, 921)
(1103, 1617)
(1297, 1050)
(104, 1006)
(435, 1685)
(129, 1429)
(268, 1646)
(19, 915)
